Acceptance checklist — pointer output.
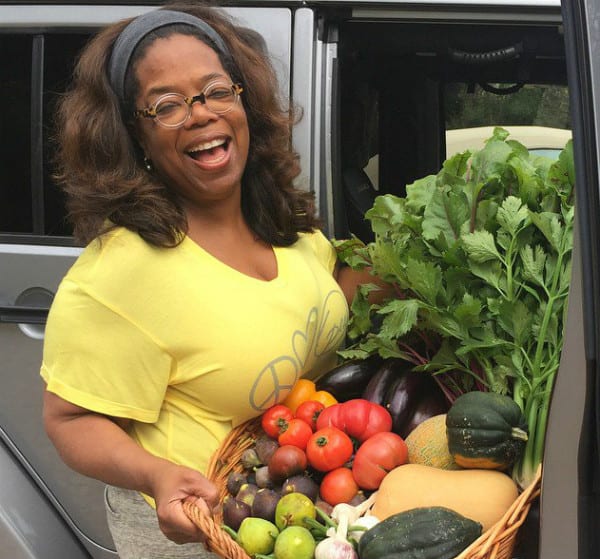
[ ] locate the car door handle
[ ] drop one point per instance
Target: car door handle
(20, 314)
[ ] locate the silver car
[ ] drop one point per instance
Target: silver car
(380, 83)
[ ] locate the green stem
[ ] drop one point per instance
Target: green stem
(230, 531)
(318, 529)
(326, 518)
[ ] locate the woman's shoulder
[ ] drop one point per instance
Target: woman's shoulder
(317, 242)
(116, 253)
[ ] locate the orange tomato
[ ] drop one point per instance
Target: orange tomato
(305, 390)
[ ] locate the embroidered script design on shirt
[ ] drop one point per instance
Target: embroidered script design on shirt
(321, 334)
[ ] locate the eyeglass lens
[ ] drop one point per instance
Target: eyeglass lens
(173, 109)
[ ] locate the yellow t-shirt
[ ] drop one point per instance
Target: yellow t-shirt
(185, 345)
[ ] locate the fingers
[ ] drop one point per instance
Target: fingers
(175, 524)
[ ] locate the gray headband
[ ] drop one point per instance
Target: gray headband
(131, 36)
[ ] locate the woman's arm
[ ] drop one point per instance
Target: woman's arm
(349, 280)
(97, 446)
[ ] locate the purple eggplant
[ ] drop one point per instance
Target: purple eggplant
(402, 397)
(432, 402)
(390, 370)
(348, 380)
(409, 396)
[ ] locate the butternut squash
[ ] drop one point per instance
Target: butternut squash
(428, 445)
(481, 495)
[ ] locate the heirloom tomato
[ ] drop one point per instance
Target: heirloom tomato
(275, 419)
(377, 456)
(359, 418)
(329, 448)
(338, 486)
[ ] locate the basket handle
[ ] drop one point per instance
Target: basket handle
(217, 540)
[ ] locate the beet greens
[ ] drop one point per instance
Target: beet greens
(480, 257)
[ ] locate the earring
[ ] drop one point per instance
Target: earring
(148, 164)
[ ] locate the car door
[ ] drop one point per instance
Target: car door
(38, 44)
(572, 472)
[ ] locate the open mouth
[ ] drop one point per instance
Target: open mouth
(211, 152)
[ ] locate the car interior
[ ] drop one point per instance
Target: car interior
(401, 85)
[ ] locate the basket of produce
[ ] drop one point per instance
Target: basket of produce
(432, 438)
(336, 481)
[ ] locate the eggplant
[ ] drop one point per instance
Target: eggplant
(402, 397)
(433, 402)
(377, 387)
(412, 398)
(348, 380)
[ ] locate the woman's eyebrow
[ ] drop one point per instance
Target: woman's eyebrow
(162, 89)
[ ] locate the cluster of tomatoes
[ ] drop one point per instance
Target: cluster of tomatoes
(350, 444)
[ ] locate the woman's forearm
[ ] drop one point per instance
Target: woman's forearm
(94, 445)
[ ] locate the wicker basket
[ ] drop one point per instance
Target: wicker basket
(496, 543)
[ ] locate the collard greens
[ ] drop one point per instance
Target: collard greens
(480, 258)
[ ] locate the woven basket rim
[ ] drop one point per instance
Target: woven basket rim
(495, 543)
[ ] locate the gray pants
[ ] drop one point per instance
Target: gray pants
(134, 528)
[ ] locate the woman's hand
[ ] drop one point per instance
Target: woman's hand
(97, 446)
(172, 485)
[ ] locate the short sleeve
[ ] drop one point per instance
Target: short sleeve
(324, 250)
(97, 359)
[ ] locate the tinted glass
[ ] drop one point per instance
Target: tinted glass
(15, 139)
(34, 71)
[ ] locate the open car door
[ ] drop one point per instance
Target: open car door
(571, 463)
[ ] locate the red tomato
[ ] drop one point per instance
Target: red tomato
(359, 418)
(296, 432)
(328, 448)
(376, 457)
(338, 486)
(275, 419)
(309, 411)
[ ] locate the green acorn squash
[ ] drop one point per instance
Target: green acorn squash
(427, 533)
(485, 430)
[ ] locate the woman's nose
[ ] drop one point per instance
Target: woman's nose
(200, 114)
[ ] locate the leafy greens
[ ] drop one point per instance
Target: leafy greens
(479, 256)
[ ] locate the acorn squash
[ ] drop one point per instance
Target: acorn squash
(485, 430)
(425, 532)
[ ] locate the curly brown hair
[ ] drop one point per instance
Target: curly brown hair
(100, 165)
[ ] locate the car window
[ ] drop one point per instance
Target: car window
(30, 202)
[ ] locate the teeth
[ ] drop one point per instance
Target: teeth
(207, 145)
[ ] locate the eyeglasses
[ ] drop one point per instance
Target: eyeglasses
(173, 109)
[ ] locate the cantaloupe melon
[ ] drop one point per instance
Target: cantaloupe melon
(427, 444)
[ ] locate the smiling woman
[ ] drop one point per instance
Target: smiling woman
(205, 289)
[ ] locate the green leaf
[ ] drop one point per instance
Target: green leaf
(419, 193)
(468, 312)
(400, 316)
(515, 319)
(480, 247)
(492, 273)
(384, 256)
(360, 322)
(425, 279)
(387, 214)
(550, 226)
(512, 214)
(534, 263)
(352, 252)
(445, 215)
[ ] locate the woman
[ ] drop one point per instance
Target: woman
(205, 289)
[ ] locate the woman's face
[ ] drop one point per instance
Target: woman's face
(204, 159)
